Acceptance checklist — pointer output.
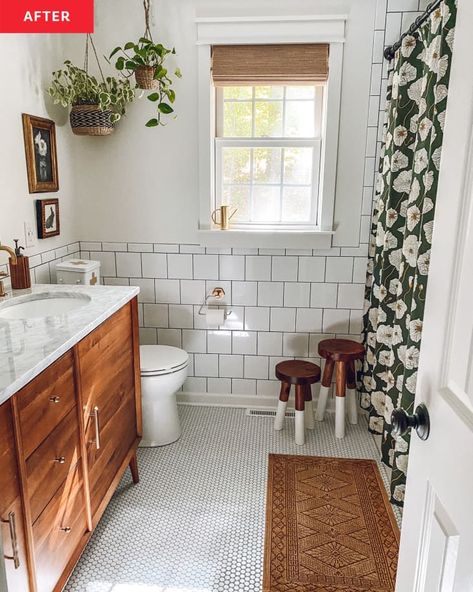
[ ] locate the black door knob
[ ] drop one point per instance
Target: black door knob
(420, 421)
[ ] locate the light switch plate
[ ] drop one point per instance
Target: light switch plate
(30, 238)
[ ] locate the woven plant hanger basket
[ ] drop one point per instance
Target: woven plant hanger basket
(144, 75)
(88, 119)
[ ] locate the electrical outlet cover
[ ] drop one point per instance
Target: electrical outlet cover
(30, 238)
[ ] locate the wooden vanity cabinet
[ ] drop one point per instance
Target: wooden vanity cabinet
(65, 440)
(12, 528)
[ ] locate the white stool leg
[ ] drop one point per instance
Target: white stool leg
(322, 402)
(352, 406)
(280, 415)
(340, 417)
(281, 412)
(309, 415)
(300, 435)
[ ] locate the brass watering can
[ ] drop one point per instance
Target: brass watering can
(225, 216)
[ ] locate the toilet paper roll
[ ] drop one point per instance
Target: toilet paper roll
(215, 317)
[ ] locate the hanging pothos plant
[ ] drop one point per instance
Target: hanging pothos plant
(96, 104)
(146, 61)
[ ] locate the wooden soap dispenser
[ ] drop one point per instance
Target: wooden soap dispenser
(20, 271)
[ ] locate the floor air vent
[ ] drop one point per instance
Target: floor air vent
(266, 413)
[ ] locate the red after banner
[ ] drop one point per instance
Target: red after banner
(46, 16)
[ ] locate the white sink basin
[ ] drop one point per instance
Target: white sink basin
(39, 306)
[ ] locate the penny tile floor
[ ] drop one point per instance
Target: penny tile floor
(195, 522)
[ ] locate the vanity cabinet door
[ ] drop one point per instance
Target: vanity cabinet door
(106, 364)
(11, 510)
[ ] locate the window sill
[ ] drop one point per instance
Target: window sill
(269, 239)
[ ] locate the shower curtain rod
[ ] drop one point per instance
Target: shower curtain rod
(391, 50)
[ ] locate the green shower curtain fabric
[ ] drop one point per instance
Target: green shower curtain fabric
(402, 226)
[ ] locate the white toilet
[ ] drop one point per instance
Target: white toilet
(163, 372)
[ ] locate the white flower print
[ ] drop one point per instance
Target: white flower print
(415, 90)
(422, 108)
(399, 307)
(384, 334)
(413, 217)
(400, 134)
(401, 463)
(407, 73)
(379, 235)
(399, 161)
(391, 217)
(390, 241)
(411, 383)
(424, 128)
(401, 354)
(388, 378)
(437, 154)
(415, 330)
(428, 182)
(395, 258)
(412, 358)
(428, 230)
(413, 123)
(402, 183)
(408, 45)
(370, 357)
(373, 316)
(376, 424)
(440, 92)
(403, 208)
(377, 400)
(399, 493)
(400, 383)
(432, 53)
(365, 401)
(410, 249)
(393, 284)
(421, 160)
(423, 263)
(449, 38)
(441, 119)
(369, 383)
(388, 409)
(415, 191)
(386, 358)
(397, 335)
(401, 444)
(380, 292)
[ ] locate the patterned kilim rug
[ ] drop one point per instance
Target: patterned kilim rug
(329, 527)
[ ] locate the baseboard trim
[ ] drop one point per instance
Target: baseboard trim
(226, 400)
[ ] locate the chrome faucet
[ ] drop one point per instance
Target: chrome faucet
(12, 254)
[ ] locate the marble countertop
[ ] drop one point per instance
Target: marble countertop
(28, 346)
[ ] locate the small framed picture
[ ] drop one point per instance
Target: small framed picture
(41, 157)
(47, 217)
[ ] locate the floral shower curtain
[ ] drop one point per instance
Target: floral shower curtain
(402, 227)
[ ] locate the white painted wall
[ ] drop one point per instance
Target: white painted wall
(27, 64)
(141, 184)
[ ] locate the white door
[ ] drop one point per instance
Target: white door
(437, 534)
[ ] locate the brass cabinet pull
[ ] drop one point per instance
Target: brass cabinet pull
(11, 521)
(95, 414)
(60, 459)
(55, 399)
(66, 529)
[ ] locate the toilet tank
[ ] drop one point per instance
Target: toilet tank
(78, 271)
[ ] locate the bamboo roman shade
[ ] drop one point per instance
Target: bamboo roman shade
(252, 65)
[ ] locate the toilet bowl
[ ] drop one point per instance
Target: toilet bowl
(163, 372)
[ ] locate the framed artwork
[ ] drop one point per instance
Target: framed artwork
(47, 217)
(41, 157)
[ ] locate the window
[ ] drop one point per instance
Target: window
(269, 110)
(267, 153)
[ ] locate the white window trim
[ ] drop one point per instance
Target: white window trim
(255, 30)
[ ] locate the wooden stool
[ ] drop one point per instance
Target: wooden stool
(339, 354)
(300, 374)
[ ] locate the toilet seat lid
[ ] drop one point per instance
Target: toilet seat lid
(162, 359)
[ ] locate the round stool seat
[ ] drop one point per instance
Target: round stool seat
(341, 350)
(297, 372)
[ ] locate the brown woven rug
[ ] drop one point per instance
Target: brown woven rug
(329, 527)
